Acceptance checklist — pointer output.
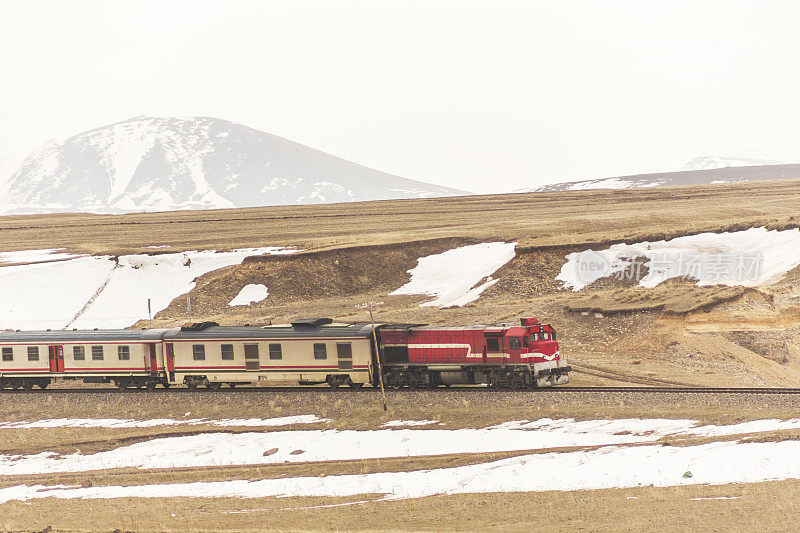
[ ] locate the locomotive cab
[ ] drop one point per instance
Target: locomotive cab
(540, 346)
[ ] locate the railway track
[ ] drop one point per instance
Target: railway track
(685, 390)
(325, 389)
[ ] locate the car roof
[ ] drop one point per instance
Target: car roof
(54, 336)
(280, 331)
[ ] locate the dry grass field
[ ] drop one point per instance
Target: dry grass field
(612, 333)
(532, 219)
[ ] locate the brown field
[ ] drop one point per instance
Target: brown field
(532, 219)
(769, 506)
(612, 333)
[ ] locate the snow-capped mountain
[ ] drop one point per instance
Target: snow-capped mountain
(157, 164)
(705, 171)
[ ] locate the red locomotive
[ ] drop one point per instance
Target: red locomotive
(499, 356)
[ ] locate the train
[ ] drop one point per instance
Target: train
(314, 351)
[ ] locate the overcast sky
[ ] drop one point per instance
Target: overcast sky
(484, 96)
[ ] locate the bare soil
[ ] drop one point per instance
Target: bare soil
(769, 506)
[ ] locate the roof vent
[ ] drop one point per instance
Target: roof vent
(198, 326)
(532, 321)
(311, 322)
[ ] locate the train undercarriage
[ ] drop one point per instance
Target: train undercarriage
(24, 383)
(523, 376)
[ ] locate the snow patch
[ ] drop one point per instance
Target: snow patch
(408, 423)
(608, 183)
(458, 276)
(250, 294)
(37, 256)
(156, 422)
(753, 426)
(752, 257)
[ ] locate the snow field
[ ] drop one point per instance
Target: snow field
(48, 295)
(226, 449)
(458, 276)
(100, 291)
(609, 467)
(752, 257)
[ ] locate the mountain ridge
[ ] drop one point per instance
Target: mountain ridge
(679, 177)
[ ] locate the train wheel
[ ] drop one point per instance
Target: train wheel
(356, 385)
(213, 385)
(43, 384)
(334, 384)
(517, 381)
(166, 384)
(403, 380)
(121, 384)
(396, 382)
(28, 385)
(151, 385)
(191, 385)
(232, 385)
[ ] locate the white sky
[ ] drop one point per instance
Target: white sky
(483, 96)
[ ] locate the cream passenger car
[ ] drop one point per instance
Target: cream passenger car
(125, 357)
(304, 352)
